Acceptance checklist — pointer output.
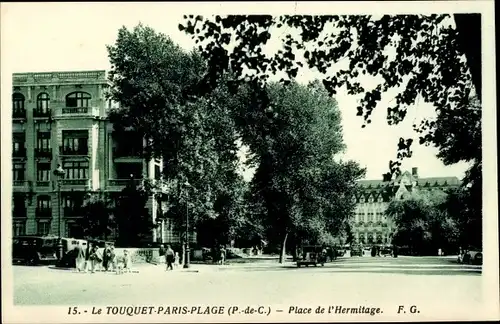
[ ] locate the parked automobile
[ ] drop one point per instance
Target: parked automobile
(472, 257)
(70, 252)
(386, 250)
(356, 250)
(312, 255)
(34, 250)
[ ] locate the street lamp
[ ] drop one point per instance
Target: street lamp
(59, 173)
(186, 259)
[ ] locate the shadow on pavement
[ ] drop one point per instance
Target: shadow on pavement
(424, 271)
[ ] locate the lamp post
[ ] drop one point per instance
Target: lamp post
(187, 257)
(59, 173)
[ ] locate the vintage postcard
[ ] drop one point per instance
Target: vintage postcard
(249, 162)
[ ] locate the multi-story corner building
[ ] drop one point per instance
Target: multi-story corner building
(60, 118)
(370, 224)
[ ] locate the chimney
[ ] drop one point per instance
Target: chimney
(414, 172)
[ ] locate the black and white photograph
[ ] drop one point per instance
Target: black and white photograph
(249, 162)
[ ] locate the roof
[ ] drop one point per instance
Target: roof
(450, 181)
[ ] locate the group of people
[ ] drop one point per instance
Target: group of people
(172, 258)
(94, 260)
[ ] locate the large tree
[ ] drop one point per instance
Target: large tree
(157, 85)
(98, 219)
(421, 56)
(293, 141)
(134, 222)
(423, 223)
(425, 58)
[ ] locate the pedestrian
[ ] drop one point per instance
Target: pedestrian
(127, 261)
(94, 258)
(105, 257)
(87, 256)
(161, 253)
(169, 258)
(80, 258)
(222, 255)
(176, 260)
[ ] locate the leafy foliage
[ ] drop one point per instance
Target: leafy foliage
(420, 56)
(98, 219)
(157, 85)
(424, 224)
(133, 220)
(298, 187)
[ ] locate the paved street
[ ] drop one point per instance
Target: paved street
(432, 280)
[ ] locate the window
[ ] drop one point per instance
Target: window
(43, 172)
(18, 140)
(18, 228)
(43, 141)
(75, 142)
(76, 170)
(18, 172)
(78, 100)
(43, 206)
(18, 104)
(43, 227)
(42, 103)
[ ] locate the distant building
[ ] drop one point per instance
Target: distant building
(61, 118)
(370, 224)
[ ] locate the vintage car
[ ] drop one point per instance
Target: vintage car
(312, 255)
(386, 250)
(34, 250)
(70, 252)
(356, 250)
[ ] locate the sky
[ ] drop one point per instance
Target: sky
(39, 37)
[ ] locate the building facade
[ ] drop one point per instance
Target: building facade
(370, 224)
(60, 118)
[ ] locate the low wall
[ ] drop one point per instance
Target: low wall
(140, 255)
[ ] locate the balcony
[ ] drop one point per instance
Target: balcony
(43, 184)
(76, 112)
(74, 183)
(20, 183)
(19, 114)
(43, 153)
(39, 113)
(119, 184)
(127, 152)
(19, 212)
(73, 212)
(43, 212)
(20, 153)
(66, 151)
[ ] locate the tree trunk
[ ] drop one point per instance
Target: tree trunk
(283, 249)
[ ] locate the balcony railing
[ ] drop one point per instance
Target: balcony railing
(74, 182)
(43, 183)
(69, 151)
(19, 183)
(39, 113)
(19, 114)
(43, 212)
(20, 153)
(76, 112)
(43, 152)
(122, 182)
(73, 212)
(127, 151)
(19, 212)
